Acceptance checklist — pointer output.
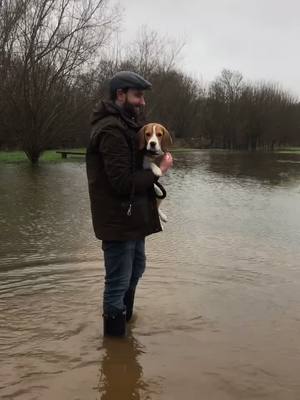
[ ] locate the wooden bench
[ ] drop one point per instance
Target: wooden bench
(65, 153)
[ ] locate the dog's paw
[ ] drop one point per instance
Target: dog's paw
(162, 216)
(156, 170)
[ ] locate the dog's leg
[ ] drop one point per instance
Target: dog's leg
(161, 214)
(155, 169)
(148, 164)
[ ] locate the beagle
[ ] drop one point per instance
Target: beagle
(154, 139)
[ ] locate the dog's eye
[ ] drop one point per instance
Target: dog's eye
(148, 134)
(159, 134)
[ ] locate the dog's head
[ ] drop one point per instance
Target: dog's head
(155, 138)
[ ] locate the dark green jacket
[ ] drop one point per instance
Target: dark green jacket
(116, 177)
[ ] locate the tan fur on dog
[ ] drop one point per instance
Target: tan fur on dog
(154, 131)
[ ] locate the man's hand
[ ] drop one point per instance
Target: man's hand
(166, 162)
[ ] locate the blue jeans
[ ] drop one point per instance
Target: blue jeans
(125, 263)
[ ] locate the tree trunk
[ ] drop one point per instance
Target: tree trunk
(33, 155)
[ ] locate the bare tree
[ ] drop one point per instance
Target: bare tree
(225, 92)
(249, 116)
(151, 53)
(53, 41)
(10, 14)
(51, 75)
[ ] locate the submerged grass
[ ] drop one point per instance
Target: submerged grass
(288, 150)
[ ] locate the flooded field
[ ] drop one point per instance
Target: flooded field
(217, 310)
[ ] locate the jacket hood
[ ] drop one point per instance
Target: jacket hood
(102, 110)
(106, 108)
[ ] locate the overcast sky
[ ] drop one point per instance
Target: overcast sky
(259, 38)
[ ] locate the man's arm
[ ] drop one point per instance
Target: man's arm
(116, 157)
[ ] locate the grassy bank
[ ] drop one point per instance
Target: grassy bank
(52, 156)
(48, 155)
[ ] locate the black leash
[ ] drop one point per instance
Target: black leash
(131, 199)
(164, 192)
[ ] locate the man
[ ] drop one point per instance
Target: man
(122, 197)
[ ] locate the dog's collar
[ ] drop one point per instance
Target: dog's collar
(153, 154)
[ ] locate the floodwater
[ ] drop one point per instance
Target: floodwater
(217, 310)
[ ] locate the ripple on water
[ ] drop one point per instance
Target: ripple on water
(221, 285)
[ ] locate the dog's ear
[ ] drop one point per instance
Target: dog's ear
(141, 138)
(166, 140)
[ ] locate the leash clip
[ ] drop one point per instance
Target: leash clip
(129, 210)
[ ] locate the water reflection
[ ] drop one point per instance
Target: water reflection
(121, 374)
(268, 169)
(44, 215)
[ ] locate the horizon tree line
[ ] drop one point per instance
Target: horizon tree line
(56, 57)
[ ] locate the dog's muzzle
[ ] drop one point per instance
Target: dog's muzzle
(153, 153)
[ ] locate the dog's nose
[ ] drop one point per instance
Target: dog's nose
(152, 144)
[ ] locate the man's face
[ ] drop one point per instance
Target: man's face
(133, 101)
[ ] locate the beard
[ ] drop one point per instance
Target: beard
(136, 112)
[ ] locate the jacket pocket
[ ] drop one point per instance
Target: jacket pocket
(139, 216)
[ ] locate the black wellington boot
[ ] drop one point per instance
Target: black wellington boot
(114, 324)
(128, 301)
